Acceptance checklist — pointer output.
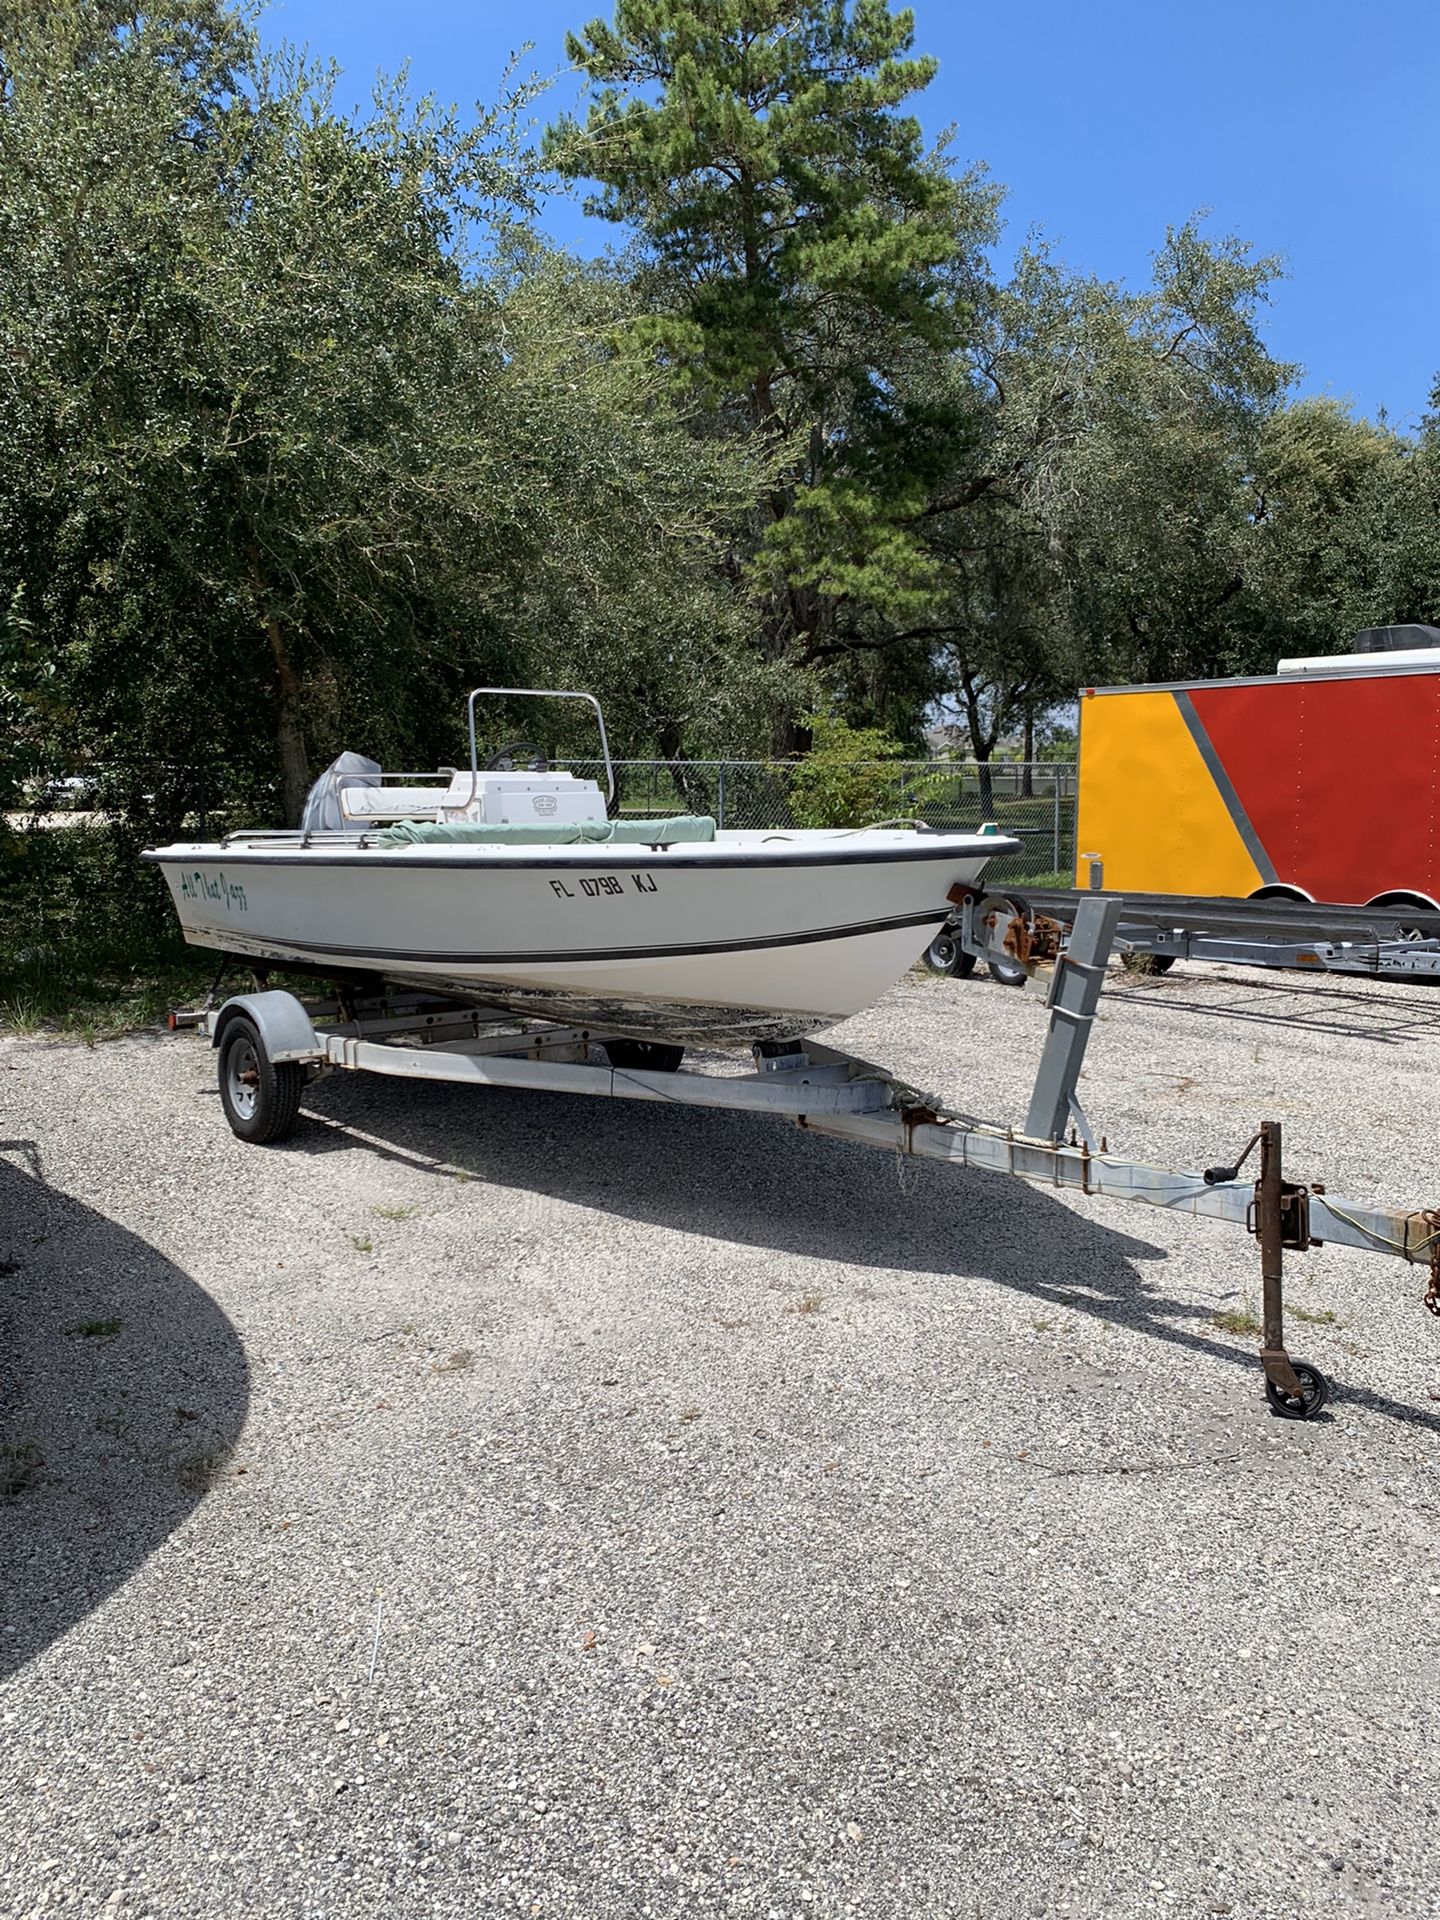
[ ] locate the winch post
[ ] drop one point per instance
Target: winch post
(1074, 996)
(1270, 1231)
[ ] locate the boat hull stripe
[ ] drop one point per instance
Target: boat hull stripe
(567, 956)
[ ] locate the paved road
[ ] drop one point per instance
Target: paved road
(496, 1504)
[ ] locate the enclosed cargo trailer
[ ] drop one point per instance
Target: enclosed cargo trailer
(1320, 782)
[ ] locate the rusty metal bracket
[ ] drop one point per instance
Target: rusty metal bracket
(1033, 940)
(1276, 1363)
(1431, 1217)
(1294, 1217)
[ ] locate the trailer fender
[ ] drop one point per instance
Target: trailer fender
(1402, 897)
(282, 1023)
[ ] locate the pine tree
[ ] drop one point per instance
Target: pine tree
(804, 247)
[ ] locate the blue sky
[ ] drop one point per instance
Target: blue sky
(1300, 124)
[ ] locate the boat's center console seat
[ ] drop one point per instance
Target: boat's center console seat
(680, 830)
(499, 807)
(489, 799)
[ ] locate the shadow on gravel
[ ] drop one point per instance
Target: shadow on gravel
(1391, 1018)
(761, 1183)
(123, 1388)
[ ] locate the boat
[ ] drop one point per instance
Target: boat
(508, 885)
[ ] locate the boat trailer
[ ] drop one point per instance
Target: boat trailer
(269, 1045)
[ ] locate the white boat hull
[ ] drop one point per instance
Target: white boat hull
(748, 937)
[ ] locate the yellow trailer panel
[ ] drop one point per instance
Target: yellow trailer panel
(1149, 806)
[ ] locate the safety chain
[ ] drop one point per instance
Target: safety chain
(1432, 1292)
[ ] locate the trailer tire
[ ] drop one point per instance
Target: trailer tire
(1395, 901)
(643, 1056)
(1007, 973)
(946, 955)
(261, 1096)
(1281, 891)
(1314, 1392)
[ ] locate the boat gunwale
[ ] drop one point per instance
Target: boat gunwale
(584, 853)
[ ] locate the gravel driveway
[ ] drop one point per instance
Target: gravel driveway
(506, 1504)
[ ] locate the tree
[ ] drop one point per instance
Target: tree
(1097, 520)
(305, 432)
(248, 354)
(1334, 502)
(800, 245)
(621, 503)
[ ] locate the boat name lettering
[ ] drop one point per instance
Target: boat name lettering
(226, 893)
(606, 885)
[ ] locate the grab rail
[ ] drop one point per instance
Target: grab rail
(537, 693)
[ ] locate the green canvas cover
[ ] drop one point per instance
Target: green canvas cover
(685, 829)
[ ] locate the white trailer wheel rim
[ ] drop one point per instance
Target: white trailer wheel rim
(242, 1079)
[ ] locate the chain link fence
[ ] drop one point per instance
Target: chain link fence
(1034, 800)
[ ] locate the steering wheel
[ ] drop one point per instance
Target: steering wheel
(518, 756)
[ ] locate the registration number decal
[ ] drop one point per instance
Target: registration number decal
(609, 885)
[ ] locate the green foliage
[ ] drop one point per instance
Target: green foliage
(755, 144)
(844, 780)
(1098, 524)
(17, 672)
(1332, 501)
(305, 433)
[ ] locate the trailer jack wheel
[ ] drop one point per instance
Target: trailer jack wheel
(1314, 1392)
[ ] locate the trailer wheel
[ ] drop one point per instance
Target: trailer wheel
(1396, 901)
(261, 1096)
(1314, 1392)
(946, 955)
(643, 1056)
(1007, 973)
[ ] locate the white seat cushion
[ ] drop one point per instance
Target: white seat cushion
(391, 803)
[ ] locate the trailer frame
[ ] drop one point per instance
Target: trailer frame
(269, 1044)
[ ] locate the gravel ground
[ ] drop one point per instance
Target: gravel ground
(492, 1504)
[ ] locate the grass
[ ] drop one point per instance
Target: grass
(807, 1303)
(1312, 1316)
(362, 1243)
(394, 1213)
(1238, 1320)
(94, 1329)
(99, 994)
(1000, 878)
